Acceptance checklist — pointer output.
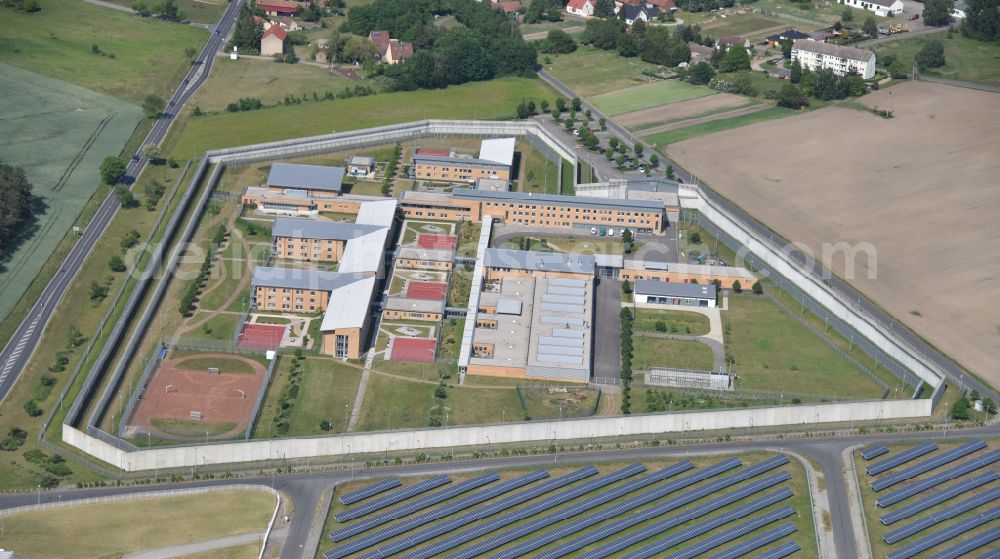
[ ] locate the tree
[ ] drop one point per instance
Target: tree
(604, 8)
(561, 104)
(989, 406)
(603, 123)
(544, 105)
(701, 73)
(757, 288)
(737, 59)
(112, 169)
(555, 114)
(974, 395)
(325, 425)
(790, 97)
(716, 58)
(125, 197)
(620, 161)
(522, 110)
(151, 152)
(16, 203)
(937, 12)
(626, 287)
(153, 106)
(931, 55)
(960, 411)
(796, 76)
(627, 239)
(638, 149)
(32, 409)
(870, 27)
(613, 142)
(116, 263)
(854, 85)
(576, 104)
(786, 48)
(31, 6)
(558, 42)
(847, 15)
(898, 70)
(670, 172)
(660, 47)
(140, 7)
(190, 53)
(982, 20)
(737, 287)
(531, 107)
(827, 86)
(695, 238)
(654, 160)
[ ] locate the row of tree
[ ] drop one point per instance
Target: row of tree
(17, 206)
(656, 45)
(982, 20)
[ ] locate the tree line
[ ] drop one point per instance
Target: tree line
(17, 206)
(656, 45)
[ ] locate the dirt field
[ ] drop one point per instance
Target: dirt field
(225, 398)
(921, 188)
(682, 109)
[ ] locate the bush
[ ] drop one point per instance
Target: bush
(661, 326)
(32, 409)
(116, 263)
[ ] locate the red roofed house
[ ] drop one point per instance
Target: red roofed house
(390, 51)
(582, 8)
(273, 41)
(510, 9)
(663, 5)
(278, 7)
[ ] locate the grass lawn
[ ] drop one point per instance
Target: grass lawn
(553, 402)
(461, 287)
(540, 174)
(451, 338)
(691, 323)
(224, 365)
(664, 139)
(190, 428)
(328, 391)
(248, 551)
(579, 245)
(675, 354)
(773, 352)
(202, 11)
(468, 238)
(649, 95)
(590, 71)
(654, 124)
(493, 99)
(57, 42)
(268, 81)
(110, 529)
(965, 59)
(232, 273)
(219, 327)
(746, 25)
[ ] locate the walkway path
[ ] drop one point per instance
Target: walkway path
(196, 547)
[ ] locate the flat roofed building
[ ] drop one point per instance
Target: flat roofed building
(500, 150)
(815, 55)
(313, 240)
(277, 202)
(457, 169)
(496, 185)
(636, 270)
(306, 179)
(672, 293)
(883, 8)
(416, 258)
(501, 263)
(360, 166)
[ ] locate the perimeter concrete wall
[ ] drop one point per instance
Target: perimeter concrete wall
(502, 434)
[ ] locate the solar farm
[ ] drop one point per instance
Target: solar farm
(754, 505)
(933, 500)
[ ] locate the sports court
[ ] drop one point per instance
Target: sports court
(437, 242)
(260, 336)
(420, 350)
(426, 290)
(189, 390)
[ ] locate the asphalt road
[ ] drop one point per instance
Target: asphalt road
(607, 330)
(19, 349)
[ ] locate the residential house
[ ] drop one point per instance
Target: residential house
(509, 8)
(727, 41)
(699, 52)
(273, 41)
(642, 12)
(776, 39)
(276, 8)
(360, 166)
(882, 8)
(288, 24)
(842, 60)
(389, 50)
(582, 8)
(661, 5)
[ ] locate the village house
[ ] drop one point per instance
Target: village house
(389, 50)
(882, 8)
(842, 60)
(273, 41)
(582, 8)
(277, 8)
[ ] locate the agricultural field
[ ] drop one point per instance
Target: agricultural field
(58, 133)
(590, 71)
(651, 517)
(110, 529)
(813, 200)
(965, 59)
(136, 56)
(201, 11)
(683, 110)
(270, 82)
(752, 26)
(649, 95)
(661, 140)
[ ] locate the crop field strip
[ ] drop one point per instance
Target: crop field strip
(448, 530)
(959, 518)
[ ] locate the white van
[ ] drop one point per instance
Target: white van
(593, 230)
(611, 232)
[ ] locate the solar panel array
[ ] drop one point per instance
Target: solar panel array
(928, 465)
(373, 489)
(939, 497)
(565, 513)
(757, 542)
(438, 513)
(972, 465)
(989, 536)
(412, 507)
(874, 451)
(903, 532)
(541, 506)
(392, 498)
(780, 552)
(952, 531)
(480, 513)
(901, 458)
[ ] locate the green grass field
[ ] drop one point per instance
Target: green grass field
(58, 133)
(326, 392)
(664, 139)
(688, 323)
(540, 174)
(191, 429)
(225, 365)
(496, 98)
(649, 95)
(107, 530)
(57, 42)
(753, 26)
(965, 59)
(590, 71)
(268, 81)
(202, 11)
(675, 354)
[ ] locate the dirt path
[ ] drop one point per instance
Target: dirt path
(543, 34)
(611, 403)
(708, 118)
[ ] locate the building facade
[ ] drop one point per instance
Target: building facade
(815, 55)
(671, 293)
(882, 8)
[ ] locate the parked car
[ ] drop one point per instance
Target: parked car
(914, 16)
(593, 230)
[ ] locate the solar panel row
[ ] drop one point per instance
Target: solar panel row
(587, 536)
(441, 512)
(495, 542)
(725, 536)
(928, 465)
(373, 489)
(937, 538)
(392, 498)
(952, 473)
(480, 513)
(546, 504)
(903, 532)
(780, 552)
(413, 506)
(756, 542)
(987, 537)
(874, 451)
(661, 526)
(939, 497)
(901, 458)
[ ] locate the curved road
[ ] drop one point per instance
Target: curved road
(19, 349)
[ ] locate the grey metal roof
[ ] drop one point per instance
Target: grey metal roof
(568, 282)
(567, 333)
(848, 53)
(508, 305)
(459, 160)
(563, 299)
(539, 261)
(561, 307)
(566, 290)
(561, 341)
(414, 305)
(609, 260)
(550, 319)
(559, 200)
(316, 177)
(675, 289)
(361, 160)
(295, 278)
(316, 229)
(500, 150)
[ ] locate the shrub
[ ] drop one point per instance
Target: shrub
(661, 326)
(32, 409)
(116, 263)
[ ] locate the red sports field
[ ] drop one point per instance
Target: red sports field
(426, 290)
(420, 350)
(184, 385)
(261, 336)
(438, 242)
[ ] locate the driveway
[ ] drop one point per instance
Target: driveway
(607, 329)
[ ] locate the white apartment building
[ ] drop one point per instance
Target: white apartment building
(882, 8)
(815, 55)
